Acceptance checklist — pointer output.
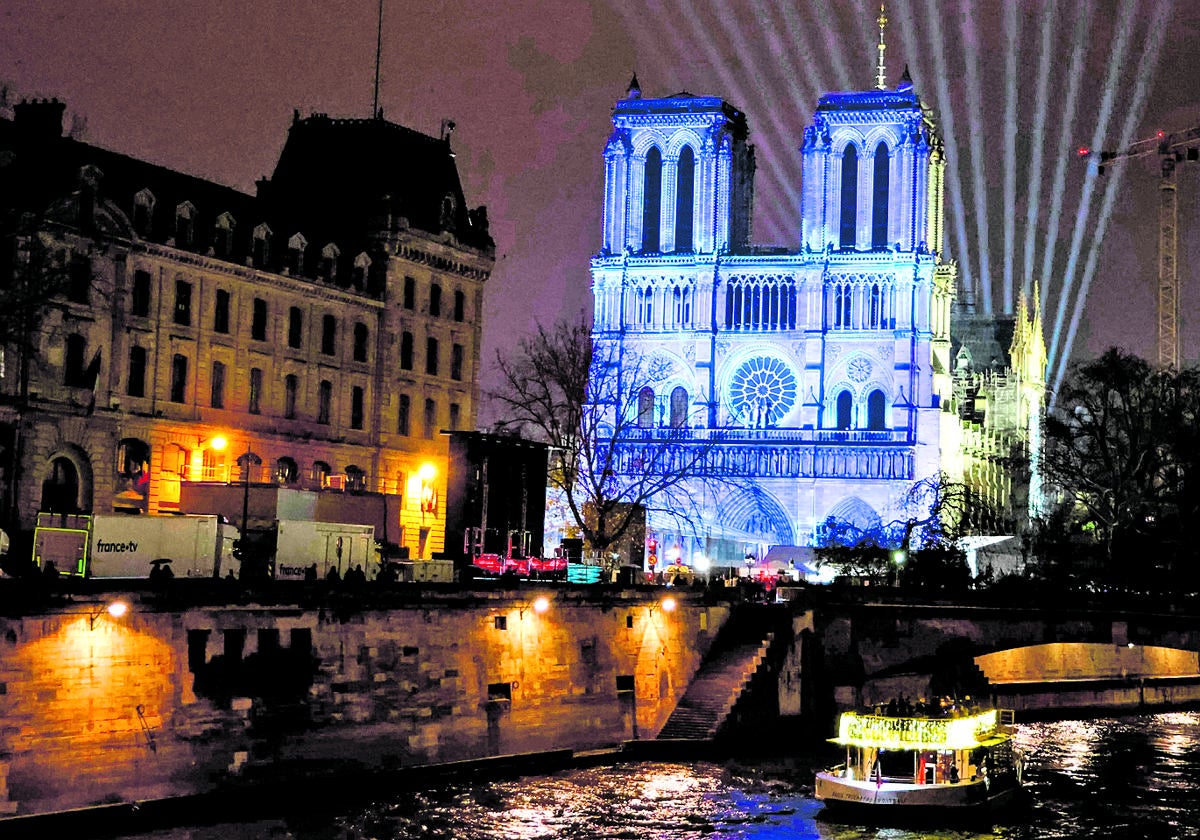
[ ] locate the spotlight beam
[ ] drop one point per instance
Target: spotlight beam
(1115, 66)
(1038, 143)
(1155, 35)
(1066, 128)
(946, 110)
(978, 158)
(1010, 149)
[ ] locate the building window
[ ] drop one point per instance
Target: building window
(684, 193)
(406, 351)
(328, 335)
(410, 293)
(179, 374)
(183, 303)
(221, 315)
(362, 266)
(876, 417)
(356, 407)
(435, 300)
(286, 470)
(329, 261)
(295, 326)
(431, 356)
(845, 403)
(291, 386)
(143, 212)
(258, 320)
(361, 336)
(136, 386)
(140, 304)
(403, 421)
(356, 479)
(652, 200)
(256, 385)
(456, 362)
(183, 225)
(430, 418)
(218, 385)
(324, 401)
(849, 197)
(79, 278)
(73, 365)
(261, 250)
(223, 236)
(679, 407)
(455, 413)
(460, 305)
(646, 408)
(879, 198)
(295, 254)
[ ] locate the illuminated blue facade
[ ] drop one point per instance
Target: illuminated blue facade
(817, 377)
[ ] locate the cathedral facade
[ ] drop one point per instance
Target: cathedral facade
(819, 382)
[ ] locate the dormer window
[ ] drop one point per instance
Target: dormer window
(329, 261)
(261, 250)
(362, 265)
(295, 254)
(143, 212)
(185, 215)
(449, 206)
(223, 236)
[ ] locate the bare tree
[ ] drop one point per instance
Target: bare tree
(611, 464)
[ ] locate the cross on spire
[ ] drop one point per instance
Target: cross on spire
(880, 75)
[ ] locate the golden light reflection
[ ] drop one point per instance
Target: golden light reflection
(541, 604)
(668, 604)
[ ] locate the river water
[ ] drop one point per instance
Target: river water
(1130, 777)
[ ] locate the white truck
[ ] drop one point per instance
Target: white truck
(301, 543)
(124, 546)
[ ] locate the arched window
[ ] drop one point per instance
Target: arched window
(260, 246)
(295, 254)
(646, 408)
(356, 479)
(679, 408)
(879, 198)
(652, 200)
(143, 212)
(875, 411)
(286, 471)
(223, 236)
(185, 215)
(845, 403)
(320, 474)
(875, 322)
(60, 490)
(685, 190)
(329, 261)
(849, 220)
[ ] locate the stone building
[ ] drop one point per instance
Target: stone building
(324, 330)
(819, 380)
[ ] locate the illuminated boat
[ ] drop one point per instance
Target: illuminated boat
(953, 761)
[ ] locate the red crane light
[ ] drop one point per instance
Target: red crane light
(1160, 134)
(1084, 151)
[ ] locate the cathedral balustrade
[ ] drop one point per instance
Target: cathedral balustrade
(851, 436)
(739, 460)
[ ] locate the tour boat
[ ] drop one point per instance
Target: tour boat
(944, 760)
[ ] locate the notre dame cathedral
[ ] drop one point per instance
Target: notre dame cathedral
(826, 380)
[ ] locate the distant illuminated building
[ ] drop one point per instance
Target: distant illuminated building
(823, 380)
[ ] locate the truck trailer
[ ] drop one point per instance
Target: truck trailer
(300, 544)
(124, 546)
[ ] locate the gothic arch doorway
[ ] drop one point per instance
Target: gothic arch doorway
(66, 488)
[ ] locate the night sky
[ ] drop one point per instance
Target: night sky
(208, 87)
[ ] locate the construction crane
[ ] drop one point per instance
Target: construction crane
(1175, 147)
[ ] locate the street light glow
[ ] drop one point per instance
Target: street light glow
(541, 604)
(668, 604)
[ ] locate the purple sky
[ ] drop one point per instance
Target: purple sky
(208, 87)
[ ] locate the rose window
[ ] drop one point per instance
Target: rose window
(762, 391)
(860, 369)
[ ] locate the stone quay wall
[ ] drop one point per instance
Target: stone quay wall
(173, 701)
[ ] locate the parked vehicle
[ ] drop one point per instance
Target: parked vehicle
(124, 546)
(330, 545)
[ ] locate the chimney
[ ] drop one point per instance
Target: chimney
(39, 119)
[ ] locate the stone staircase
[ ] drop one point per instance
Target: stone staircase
(715, 691)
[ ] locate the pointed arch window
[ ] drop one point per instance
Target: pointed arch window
(185, 215)
(295, 256)
(876, 414)
(652, 200)
(143, 212)
(679, 406)
(875, 306)
(879, 198)
(845, 402)
(329, 263)
(685, 190)
(646, 408)
(849, 198)
(223, 236)
(260, 246)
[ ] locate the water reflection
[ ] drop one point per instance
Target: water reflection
(1128, 777)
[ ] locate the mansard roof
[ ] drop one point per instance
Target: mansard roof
(340, 175)
(339, 181)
